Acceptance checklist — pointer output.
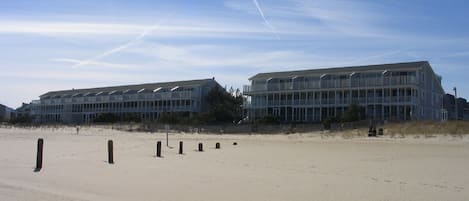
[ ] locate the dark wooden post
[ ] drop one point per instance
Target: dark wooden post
(180, 147)
(235, 143)
(217, 145)
(110, 152)
(201, 148)
(381, 131)
(40, 143)
(370, 132)
(158, 149)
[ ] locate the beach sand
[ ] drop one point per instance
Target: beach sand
(261, 167)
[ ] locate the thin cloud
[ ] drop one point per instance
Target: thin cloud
(66, 28)
(459, 54)
(94, 63)
(353, 18)
(272, 29)
(210, 57)
(374, 57)
(191, 27)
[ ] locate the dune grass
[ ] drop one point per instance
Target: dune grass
(427, 128)
(414, 129)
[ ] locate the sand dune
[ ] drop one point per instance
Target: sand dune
(274, 167)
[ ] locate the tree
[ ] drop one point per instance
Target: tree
(354, 113)
(223, 107)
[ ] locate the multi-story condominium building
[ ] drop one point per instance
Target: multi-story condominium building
(400, 91)
(28, 111)
(144, 101)
(5, 113)
(449, 104)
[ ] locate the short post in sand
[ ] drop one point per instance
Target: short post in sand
(180, 147)
(158, 149)
(217, 145)
(371, 132)
(110, 152)
(40, 143)
(166, 126)
(201, 148)
(235, 143)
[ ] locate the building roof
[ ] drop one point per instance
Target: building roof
(349, 69)
(125, 88)
(6, 107)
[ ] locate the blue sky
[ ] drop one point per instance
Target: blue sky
(55, 45)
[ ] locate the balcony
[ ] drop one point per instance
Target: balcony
(332, 83)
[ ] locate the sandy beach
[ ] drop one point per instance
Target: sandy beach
(261, 167)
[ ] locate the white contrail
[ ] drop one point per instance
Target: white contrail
(121, 47)
(272, 29)
(117, 49)
(98, 63)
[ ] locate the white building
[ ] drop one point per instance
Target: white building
(400, 91)
(143, 101)
(5, 113)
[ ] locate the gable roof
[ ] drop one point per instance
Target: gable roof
(121, 89)
(349, 69)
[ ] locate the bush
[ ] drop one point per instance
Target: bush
(107, 118)
(327, 122)
(132, 117)
(223, 107)
(176, 118)
(21, 120)
(268, 120)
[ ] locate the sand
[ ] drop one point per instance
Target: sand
(269, 167)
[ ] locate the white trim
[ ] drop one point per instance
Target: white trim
(174, 88)
(157, 89)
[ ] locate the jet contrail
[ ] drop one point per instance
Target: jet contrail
(103, 64)
(272, 29)
(121, 47)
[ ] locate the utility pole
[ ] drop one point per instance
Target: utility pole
(456, 102)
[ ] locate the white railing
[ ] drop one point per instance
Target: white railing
(334, 83)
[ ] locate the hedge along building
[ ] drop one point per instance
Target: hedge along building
(143, 101)
(399, 91)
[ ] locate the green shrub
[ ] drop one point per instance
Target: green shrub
(107, 118)
(327, 122)
(268, 120)
(21, 120)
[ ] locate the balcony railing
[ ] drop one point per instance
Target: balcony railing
(331, 84)
(128, 97)
(331, 101)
